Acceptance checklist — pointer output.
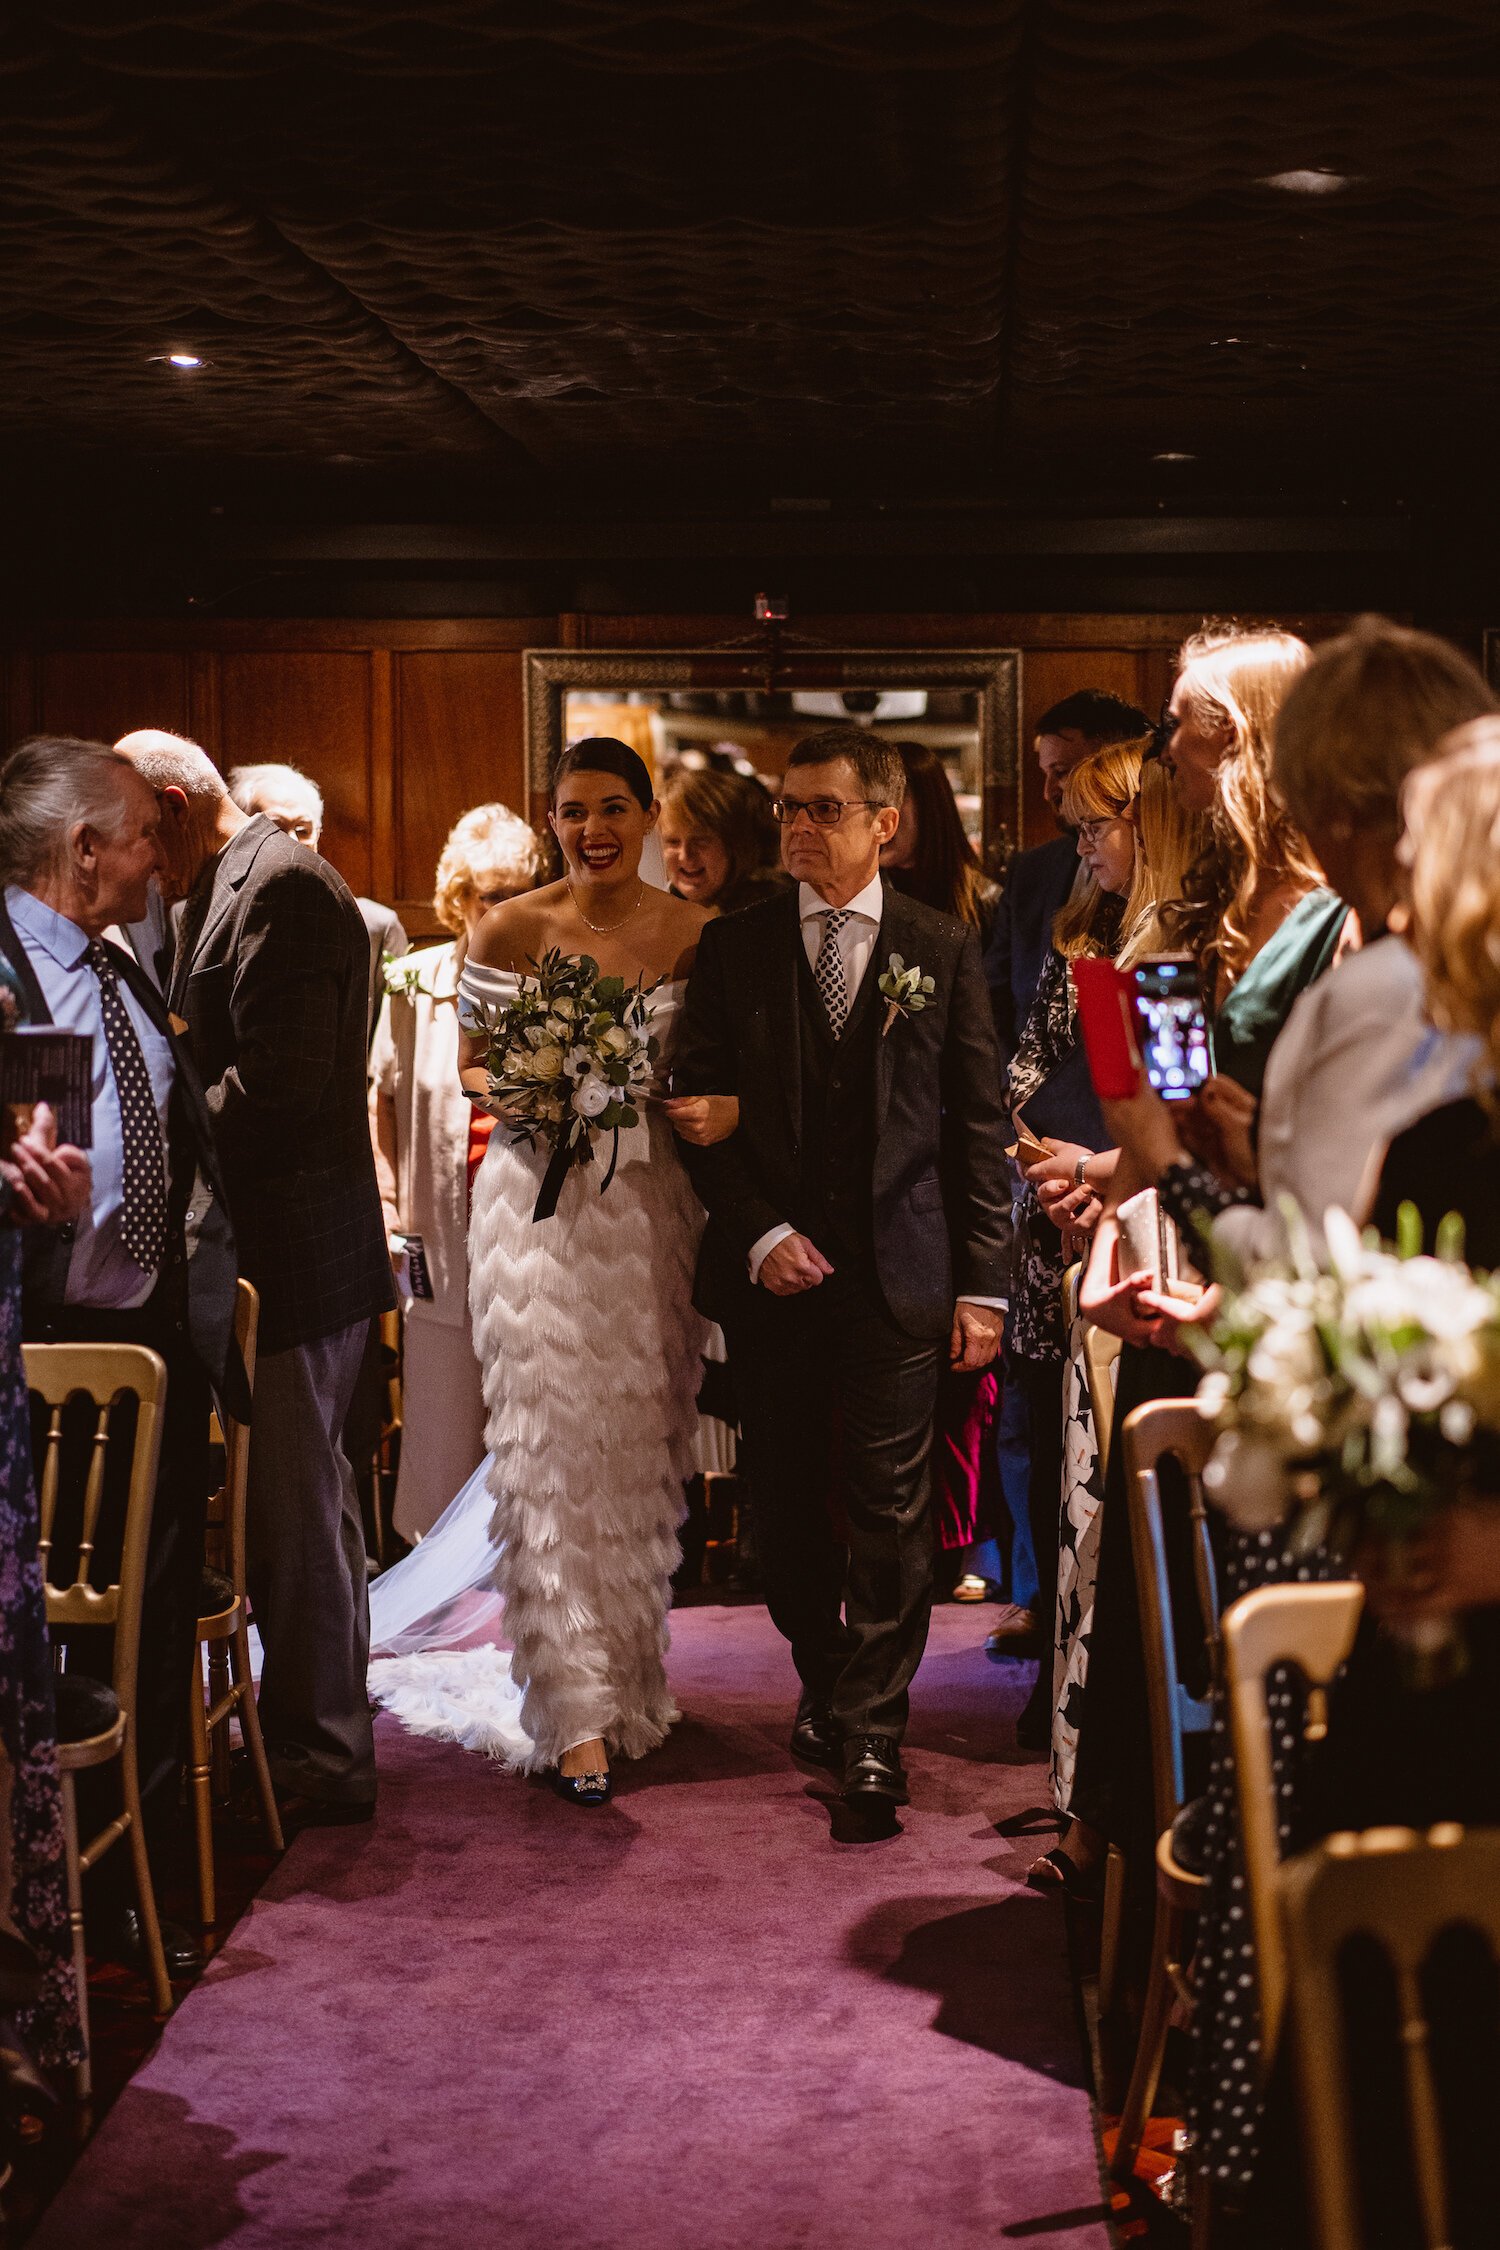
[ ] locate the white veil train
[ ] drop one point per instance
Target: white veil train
(436, 1626)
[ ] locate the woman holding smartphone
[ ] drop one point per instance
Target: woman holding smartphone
(1134, 842)
(1358, 1047)
(1262, 927)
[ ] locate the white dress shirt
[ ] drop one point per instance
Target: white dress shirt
(855, 940)
(101, 1270)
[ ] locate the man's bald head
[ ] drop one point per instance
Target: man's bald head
(170, 761)
(197, 817)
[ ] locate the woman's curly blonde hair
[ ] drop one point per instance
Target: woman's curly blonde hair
(487, 837)
(1241, 675)
(1452, 812)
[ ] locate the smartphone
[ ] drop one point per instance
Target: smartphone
(1106, 1021)
(1171, 1026)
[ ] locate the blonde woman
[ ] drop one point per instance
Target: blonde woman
(1135, 841)
(428, 1138)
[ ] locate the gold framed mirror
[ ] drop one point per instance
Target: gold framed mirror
(745, 708)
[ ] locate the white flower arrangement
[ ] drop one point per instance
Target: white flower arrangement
(905, 990)
(1348, 1390)
(570, 1059)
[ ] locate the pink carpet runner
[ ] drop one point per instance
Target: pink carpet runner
(697, 2021)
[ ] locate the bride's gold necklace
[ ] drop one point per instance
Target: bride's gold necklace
(605, 929)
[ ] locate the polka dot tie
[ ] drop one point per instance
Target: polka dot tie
(143, 1222)
(828, 970)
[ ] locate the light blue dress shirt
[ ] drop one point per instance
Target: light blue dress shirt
(101, 1270)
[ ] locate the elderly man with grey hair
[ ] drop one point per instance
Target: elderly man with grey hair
(295, 802)
(151, 1259)
(271, 981)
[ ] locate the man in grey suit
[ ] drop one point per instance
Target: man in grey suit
(271, 980)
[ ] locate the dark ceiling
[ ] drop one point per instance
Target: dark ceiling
(506, 264)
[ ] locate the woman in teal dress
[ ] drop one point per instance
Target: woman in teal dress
(40, 1184)
(1262, 926)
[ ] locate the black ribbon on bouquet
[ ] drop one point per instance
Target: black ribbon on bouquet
(564, 1157)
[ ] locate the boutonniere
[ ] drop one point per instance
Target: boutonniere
(905, 990)
(402, 974)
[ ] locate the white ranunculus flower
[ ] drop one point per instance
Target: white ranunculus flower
(591, 1095)
(1288, 1357)
(1247, 1479)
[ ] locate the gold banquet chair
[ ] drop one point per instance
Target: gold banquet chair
(1313, 1628)
(223, 1628)
(1403, 1890)
(1168, 1427)
(94, 1719)
(1100, 1352)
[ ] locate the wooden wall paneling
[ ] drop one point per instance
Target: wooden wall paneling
(459, 741)
(382, 774)
(20, 709)
(101, 694)
(203, 698)
(1047, 675)
(311, 709)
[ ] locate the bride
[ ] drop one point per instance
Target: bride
(566, 1538)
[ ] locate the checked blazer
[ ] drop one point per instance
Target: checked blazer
(272, 981)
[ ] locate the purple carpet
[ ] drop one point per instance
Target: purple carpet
(697, 2021)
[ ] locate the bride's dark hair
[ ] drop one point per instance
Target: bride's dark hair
(601, 753)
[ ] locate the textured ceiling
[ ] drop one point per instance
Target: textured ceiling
(712, 250)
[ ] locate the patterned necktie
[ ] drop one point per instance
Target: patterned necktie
(143, 1219)
(828, 970)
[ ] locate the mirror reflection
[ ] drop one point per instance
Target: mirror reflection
(704, 746)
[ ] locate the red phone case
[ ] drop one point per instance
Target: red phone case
(1106, 1019)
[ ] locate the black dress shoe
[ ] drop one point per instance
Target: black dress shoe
(813, 1738)
(124, 1943)
(581, 1788)
(872, 1768)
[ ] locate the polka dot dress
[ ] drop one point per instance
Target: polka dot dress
(1226, 2100)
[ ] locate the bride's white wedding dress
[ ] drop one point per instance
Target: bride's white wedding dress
(564, 1542)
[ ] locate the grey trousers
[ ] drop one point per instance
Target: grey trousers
(305, 1561)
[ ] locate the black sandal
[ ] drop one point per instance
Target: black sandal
(1083, 1886)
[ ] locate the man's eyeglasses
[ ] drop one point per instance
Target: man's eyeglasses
(823, 812)
(1161, 734)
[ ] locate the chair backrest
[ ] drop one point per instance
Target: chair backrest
(106, 1375)
(226, 1507)
(1402, 1890)
(1100, 1352)
(1312, 1627)
(1170, 1427)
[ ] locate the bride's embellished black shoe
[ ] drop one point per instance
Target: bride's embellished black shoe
(581, 1788)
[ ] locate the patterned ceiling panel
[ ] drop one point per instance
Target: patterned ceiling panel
(112, 253)
(708, 246)
(1156, 263)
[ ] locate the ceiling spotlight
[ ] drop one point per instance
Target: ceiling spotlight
(183, 359)
(1174, 456)
(1313, 179)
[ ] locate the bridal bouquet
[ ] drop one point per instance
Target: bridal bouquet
(1349, 1388)
(570, 1059)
